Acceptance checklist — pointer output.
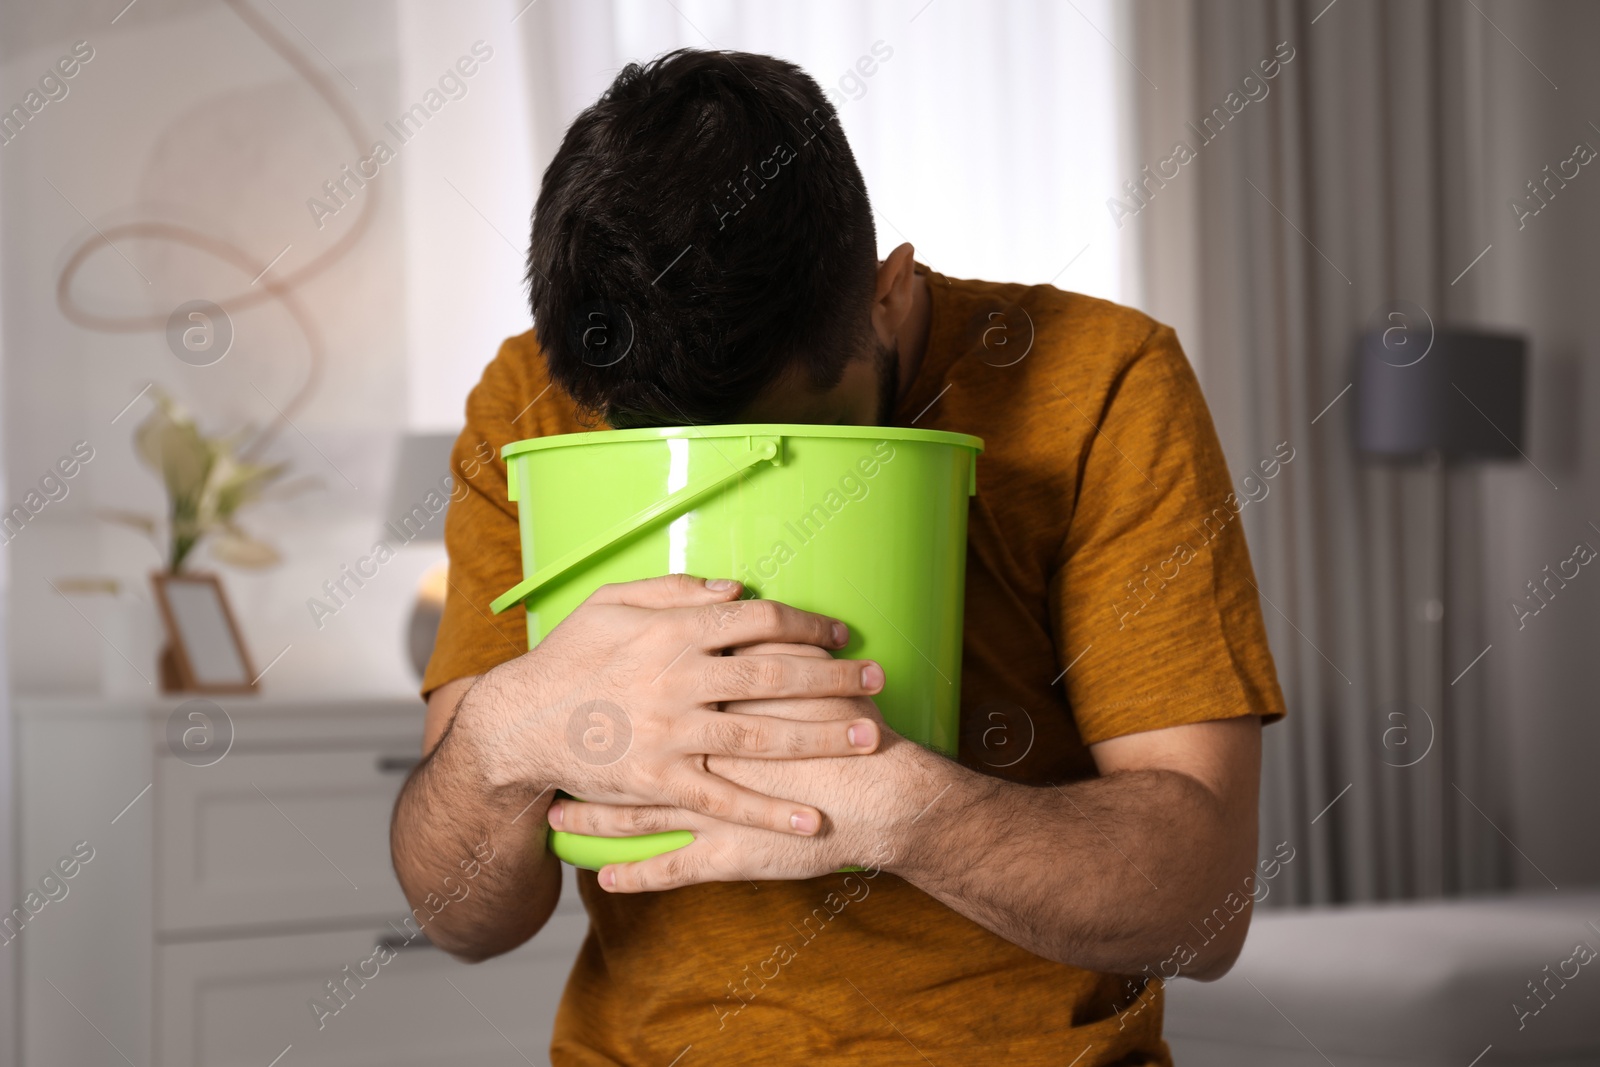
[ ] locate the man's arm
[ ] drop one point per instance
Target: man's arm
(443, 817)
(644, 659)
(1106, 874)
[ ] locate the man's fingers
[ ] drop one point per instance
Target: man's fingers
(749, 622)
(688, 865)
(770, 737)
(768, 648)
(618, 820)
(703, 793)
(766, 677)
(667, 591)
(808, 709)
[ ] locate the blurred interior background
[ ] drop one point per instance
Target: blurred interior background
(1277, 180)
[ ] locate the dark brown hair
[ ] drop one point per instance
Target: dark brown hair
(702, 229)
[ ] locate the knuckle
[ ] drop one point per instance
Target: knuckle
(817, 679)
(644, 820)
(715, 617)
(675, 868)
(733, 735)
(764, 613)
(740, 674)
(697, 798)
(726, 735)
(770, 674)
(796, 740)
(716, 803)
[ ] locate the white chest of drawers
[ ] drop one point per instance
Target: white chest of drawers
(221, 899)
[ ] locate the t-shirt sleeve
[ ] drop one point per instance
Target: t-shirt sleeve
(1160, 618)
(481, 534)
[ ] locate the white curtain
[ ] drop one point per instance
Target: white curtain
(9, 965)
(987, 132)
(1329, 196)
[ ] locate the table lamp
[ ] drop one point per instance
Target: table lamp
(419, 498)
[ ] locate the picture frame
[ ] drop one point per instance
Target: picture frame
(205, 652)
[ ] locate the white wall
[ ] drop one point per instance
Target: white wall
(185, 115)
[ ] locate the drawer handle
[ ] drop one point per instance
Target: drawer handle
(397, 764)
(396, 943)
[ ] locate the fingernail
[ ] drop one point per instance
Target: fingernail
(720, 585)
(804, 822)
(608, 879)
(871, 677)
(862, 734)
(841, 633)
(557, 813)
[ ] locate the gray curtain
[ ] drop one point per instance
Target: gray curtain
(1336, 197)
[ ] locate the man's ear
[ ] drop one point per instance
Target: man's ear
(891, 302)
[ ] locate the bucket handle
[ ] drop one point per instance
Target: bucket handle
(762, 449)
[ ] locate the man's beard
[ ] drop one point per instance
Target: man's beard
(888, 384)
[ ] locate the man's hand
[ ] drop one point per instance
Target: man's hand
(620, 702)
(863, 803)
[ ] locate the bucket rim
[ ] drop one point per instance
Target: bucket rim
(744, 429)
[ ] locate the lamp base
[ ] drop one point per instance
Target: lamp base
(423, 627)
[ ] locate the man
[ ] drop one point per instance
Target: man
(703, 251)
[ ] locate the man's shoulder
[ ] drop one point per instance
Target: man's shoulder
(1003, 324)
(517, 368)
(516, 391)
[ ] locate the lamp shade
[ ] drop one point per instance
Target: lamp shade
(420, 493)
(1462, 398)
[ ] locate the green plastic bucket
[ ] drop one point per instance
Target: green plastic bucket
(867, 524)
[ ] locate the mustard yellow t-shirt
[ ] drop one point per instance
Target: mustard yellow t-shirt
(1104, 535)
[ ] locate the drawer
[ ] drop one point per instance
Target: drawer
(243, 1002)
(274, 838)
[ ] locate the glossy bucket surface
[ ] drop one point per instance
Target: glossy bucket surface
(866, 524)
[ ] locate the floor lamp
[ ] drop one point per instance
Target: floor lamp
(1457, 400)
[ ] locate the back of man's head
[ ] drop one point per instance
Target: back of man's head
(702, 232)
